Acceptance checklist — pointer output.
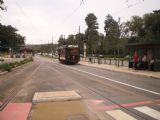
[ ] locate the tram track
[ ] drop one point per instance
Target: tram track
(93, 89)
(16, 89)
(99, 93)
(9, 98)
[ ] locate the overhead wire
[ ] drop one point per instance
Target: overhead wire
(63, 21)
(133, 4)
(128, 6)
(25, 15)
(82, 2)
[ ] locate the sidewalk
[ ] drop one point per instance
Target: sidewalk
(123, 69)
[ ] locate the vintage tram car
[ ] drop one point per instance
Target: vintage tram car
(69, 54)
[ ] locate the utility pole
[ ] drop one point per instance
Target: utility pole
(118, 41)
(79, 30)
(0, 48)
(52, 47)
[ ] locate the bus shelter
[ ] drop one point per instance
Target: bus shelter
(150, 50)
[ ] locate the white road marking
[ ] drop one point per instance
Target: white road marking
(109, 79)
(149, 111)
(120, 115)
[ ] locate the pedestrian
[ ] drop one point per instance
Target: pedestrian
(144, 62)
(151, 64)
(136, 59)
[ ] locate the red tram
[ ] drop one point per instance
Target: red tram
(69, 54)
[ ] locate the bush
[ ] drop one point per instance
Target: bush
(8, 66)
(1, 59)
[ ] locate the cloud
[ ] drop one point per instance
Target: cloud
(39, 20)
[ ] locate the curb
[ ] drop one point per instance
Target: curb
(4, 72)
(128, 72)
(21, 65)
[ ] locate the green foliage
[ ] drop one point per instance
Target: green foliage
(77, 39)
(91, 22)
(111, 28)
(152, 27)
(1, 5)
(117, 35)
(71, 40)
(91, 33)
(112, 31)
(144, 29)
(80, 40)
(61, 41)
(9, 38)
(44, 48)
(8, 66)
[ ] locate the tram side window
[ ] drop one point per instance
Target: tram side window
(74, 52)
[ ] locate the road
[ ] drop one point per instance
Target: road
(105, 92)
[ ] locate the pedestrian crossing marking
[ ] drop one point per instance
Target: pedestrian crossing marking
(120, 115)
(149, 111)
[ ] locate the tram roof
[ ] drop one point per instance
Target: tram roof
(68, 46)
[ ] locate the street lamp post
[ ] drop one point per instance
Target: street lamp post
(52, 47)
(10, 50)
(84, 49)
(118, 46)
(0, 48)
(99, 46)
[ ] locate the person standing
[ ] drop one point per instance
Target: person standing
(144, 62)
(135, 58)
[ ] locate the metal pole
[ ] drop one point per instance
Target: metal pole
(0, 48)
(52, 47)
(84, 47)
(118, 57)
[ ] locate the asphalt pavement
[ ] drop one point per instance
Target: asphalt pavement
(104, 91)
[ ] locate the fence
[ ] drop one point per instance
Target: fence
(109, 61)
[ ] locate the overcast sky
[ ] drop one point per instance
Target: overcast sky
(39, 20)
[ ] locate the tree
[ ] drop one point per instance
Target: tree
(9, 38)
(71, 40)
(1, 5)
(144, 29)
(112, 34)
(152, 27)
(123, 39)
(91, 33)
(102, 47)
(80, 37)
(61, 41)
(135, 29)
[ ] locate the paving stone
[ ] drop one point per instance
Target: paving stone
(55, 96)
(78, 117)
(62, 110)
(15, 111)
